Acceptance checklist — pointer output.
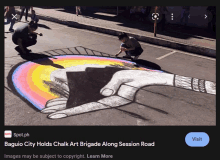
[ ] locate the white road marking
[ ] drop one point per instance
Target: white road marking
(159, 58)
(204, 57)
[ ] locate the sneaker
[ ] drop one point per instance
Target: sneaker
(135, 58)
(17, 49)
(11, 30)
(136, 65)
(28, 50)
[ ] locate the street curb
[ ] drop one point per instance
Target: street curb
(152, 40)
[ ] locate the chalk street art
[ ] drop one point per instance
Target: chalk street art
(91, 83)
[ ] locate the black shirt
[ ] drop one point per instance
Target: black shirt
(21, 32)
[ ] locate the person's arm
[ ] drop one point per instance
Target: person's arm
(6, 10)
(20, 45)
(40, 34)
(129, 49)
(119, 52)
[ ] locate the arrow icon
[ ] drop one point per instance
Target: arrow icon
(205, 16)
(189, 16)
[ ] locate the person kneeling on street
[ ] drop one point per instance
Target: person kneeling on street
(130, 46)
(25, 36)
(34, 17)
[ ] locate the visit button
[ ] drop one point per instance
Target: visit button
(197, 139)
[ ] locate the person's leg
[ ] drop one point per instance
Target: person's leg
(28, 42)
(21, 14)
(12, 24)
(80, 10)
(126, 52)
(136, 53)
(26, 15)
(136, 57)
(76, 10)
(14, 39)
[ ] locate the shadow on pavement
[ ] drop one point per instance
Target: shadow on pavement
(40, 59)
(147, 64)
(8, 32)
(43, 26)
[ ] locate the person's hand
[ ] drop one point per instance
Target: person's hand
(119, 91)
(123, 49)
(7, 8)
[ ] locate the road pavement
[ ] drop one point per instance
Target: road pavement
(154, 105)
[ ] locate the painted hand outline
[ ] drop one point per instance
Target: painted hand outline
(119, 91)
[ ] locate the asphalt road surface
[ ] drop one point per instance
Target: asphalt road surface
(154, 105)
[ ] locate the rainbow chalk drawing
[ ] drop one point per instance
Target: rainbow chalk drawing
(90, 83)
(28, 77)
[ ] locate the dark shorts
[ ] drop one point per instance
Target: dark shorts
(136, 52)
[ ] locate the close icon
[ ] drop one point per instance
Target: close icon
(14, 16)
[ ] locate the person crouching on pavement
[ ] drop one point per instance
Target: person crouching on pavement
(25, 36)
(34, 17)
(130, 46)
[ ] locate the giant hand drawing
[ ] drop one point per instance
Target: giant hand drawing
(89, 83)
(120, 90)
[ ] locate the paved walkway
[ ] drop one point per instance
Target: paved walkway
(172, 33)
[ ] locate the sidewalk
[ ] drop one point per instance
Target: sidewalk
(172, 37)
